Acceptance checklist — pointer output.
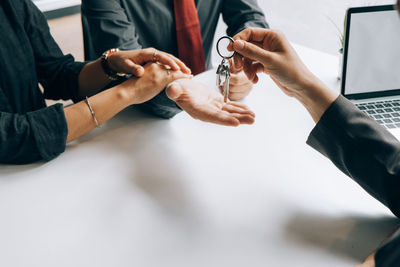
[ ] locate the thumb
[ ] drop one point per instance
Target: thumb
(174, 90)
(134, 69)
(251, 51)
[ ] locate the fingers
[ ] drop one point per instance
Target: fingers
(173, 62)
(240, 87)
(166, 59)
(252, 51)
(224, 118)
(241, 112)
(239, 79)
(182, 65)
(135, 69)
(232, 119)
(154, 55)
(234, 67)
(176, 75)
(238, 60)
(257, 35)
(248, 69)
(238, 108)
(258, 45)
(243, 118)
(174, 90)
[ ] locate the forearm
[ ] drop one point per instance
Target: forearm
(316, 97)
(105, 105)
(92, 78)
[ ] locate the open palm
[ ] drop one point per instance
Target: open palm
(206, 104)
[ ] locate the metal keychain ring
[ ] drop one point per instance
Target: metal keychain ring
(231, 40)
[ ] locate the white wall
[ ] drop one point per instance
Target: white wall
(46, 5)
(313, 23)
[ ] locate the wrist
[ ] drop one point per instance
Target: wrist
(315, 96)
(108, 68)
(124, 95)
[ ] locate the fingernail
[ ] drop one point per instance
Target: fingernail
(239, 45)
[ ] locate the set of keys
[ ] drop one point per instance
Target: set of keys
(224, 69)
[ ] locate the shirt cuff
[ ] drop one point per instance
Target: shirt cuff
(76, 69)
(339, 119)
(50, 131)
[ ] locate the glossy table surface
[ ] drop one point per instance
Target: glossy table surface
(142, 191)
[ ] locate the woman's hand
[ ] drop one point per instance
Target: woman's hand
(132, 62)
(206, 104)
(268, 51)
(155, 78)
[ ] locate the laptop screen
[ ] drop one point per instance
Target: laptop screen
(372, 52)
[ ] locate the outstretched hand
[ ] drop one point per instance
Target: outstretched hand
(206, 104)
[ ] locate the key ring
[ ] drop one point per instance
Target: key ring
(219, 52)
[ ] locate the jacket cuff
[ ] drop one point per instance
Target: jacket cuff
(318, 136)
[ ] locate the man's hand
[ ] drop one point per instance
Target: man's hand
(206, 104)
(240, 85)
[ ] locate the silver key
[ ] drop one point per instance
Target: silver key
(223, 77)
(224, 69)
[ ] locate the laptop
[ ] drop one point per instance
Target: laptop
(371, 63)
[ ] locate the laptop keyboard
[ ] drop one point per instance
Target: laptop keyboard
(386, 113)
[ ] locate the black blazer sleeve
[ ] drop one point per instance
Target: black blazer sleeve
(362, 149)
(242, 14)
(389, 254)
(369, 154)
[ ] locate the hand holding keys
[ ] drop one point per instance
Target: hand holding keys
(224, 69)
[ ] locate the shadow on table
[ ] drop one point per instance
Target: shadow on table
(18, 169)
(150, 161)
(353, 236)
(130, 116)
(158, 170)
(156, 165)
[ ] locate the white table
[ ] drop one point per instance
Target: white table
(147, 192)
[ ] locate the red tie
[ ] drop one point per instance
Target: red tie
(188, 35)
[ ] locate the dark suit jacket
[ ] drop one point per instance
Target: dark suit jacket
(367, 153)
